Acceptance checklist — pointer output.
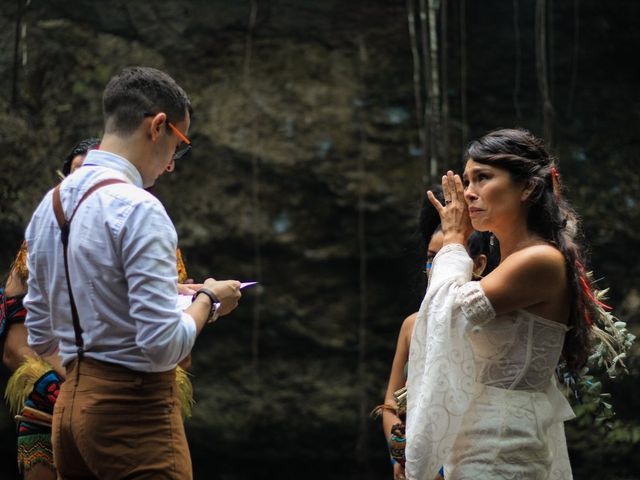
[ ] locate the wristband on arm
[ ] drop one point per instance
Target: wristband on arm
(215, 303)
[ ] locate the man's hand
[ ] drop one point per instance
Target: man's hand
(227, 291)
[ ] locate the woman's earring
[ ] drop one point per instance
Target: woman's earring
(492, 240)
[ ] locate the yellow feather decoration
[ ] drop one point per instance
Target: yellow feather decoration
(22, 381)
(182, 269)
(185, 392)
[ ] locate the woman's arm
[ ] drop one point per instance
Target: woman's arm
(16, 350)
(15, 344)
(397, 378)
(16, 347)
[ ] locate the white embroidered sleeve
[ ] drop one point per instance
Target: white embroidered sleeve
(474, 304)
(441, 368)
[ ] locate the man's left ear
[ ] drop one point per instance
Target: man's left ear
(158, 122)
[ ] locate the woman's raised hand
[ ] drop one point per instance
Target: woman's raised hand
(454, 215)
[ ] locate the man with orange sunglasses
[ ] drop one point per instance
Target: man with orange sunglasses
(102, 292)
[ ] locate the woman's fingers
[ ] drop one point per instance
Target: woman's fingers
(453, 214)
(445, 189)
(450, 188)
(459, 187)
(435, 202)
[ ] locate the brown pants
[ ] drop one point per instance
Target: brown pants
(114, 423)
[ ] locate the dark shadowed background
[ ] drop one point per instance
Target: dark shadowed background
(307, 173)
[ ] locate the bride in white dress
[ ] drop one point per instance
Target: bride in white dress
(482, 396)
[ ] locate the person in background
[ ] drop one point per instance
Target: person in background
(35, 380)
(76, 157)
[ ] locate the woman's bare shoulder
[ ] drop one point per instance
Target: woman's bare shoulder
(540, 259)
(528, 277)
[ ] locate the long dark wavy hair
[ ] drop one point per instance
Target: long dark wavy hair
(551, 217)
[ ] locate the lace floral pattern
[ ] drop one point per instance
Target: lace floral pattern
(518, 351)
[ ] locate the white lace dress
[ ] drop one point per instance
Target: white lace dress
(482, 399)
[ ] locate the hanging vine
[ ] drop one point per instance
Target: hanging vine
(463, 73)
(417, 79)
(445, 81)
(542, 69)
(434, 100)
(550, 51)
(518, 65)
(255, 190)
(429, 64)
(19, 49)
(575, 56)
(364, 401)
(428, 110)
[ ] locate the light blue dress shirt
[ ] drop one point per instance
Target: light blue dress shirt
(122, 264)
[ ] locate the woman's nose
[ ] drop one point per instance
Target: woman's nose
(470, 194)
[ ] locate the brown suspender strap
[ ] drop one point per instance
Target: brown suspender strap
(65, 227)
(57, 204)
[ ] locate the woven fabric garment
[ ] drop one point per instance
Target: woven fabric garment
(482, 400)
(11, 311)
(34, 449)
(36, 386)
